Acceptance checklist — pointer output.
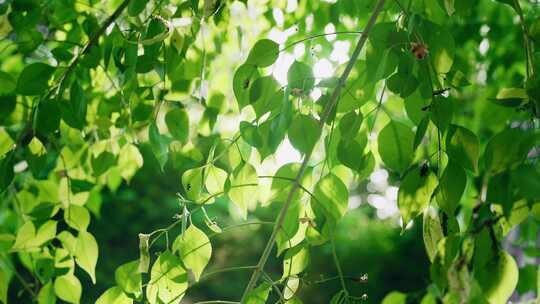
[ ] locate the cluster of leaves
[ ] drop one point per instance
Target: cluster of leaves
(88, 98)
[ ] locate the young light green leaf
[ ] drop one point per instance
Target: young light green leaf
(463, 147)
(129, 161)
(431, 232)
(215, 179)
(114, 295)
(510, 97)
(68, 288)
(86, 253)
(395, 144)
(195, 249)
(243, 187)
(415, 193)
(77, 217)
(498, 277)
(34, 79)
(177, 121)
(395, 297)
(29, 240)
(451, 187)
(144, 254)
(263, 53)
(290, 288)
(258, 295)
(295, 261)
(283, 180)
(159, 145)
(168, 280)
(304, 133)
(192, 181)
(330, 201)
(128, 278)
(46, 294)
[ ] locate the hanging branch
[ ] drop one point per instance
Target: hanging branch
(295, 186)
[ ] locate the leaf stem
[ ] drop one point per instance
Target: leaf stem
(326, 113)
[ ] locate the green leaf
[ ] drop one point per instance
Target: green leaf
(463, 146)
(304, 133)
(506, 149)
(159, 145)
(243, 187)
(86, 253)
(259, 294)
(77, 217)
(5, 278)
(251, 135)
(177, 121)
(74, 114)
(263, 53)
(103, 162)
(295, 261)
(442, 113)
(47, 117)
(34, 79)
(415, 193)
(293, 230)
(432, 232)
(215, 179)
(68, 288)
(511, 97)
(195, 250)
(265, 95)
(498, 277)
(243, 80)
(7, 83)
(527, 180)
(192, 181)
(136, 7)
(129, 279)
(168, 280)
(395, 297)
(300, 78)
(6, 170)
(46, 294)
(349, 125)
(114, 295)
(330, 202)
(395, 144)
(451, 187)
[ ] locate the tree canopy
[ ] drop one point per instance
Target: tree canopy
(148, 147)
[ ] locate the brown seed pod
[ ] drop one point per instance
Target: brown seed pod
(419, 50)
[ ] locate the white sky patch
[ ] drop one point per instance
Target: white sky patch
(354, 202)
(484, 29)
(330, 28)
(278, 36)
(286, 153)
(340, 53)
(292, 5)
(323, 69)
(278, 16)
(299, 50)
(315, 94)
(484, 46)
(281, 67)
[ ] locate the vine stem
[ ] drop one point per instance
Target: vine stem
(326, 113)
